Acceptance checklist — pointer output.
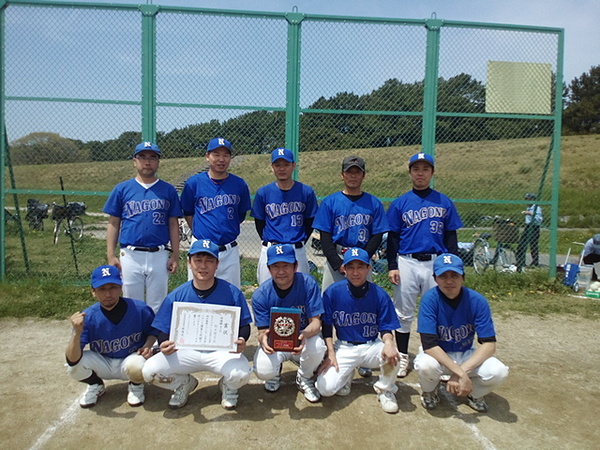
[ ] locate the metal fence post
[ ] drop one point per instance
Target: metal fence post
(431, 85)
(149, 13)
(292, 107)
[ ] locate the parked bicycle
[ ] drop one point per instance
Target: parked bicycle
(503, 259)
(36, 213)
(185, 234)
(73, 225)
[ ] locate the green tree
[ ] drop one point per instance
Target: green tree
(46, 148)
(582, 112)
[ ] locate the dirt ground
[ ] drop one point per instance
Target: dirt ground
(550, 400)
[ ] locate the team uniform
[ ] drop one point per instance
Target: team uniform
(285, 214)
(351, 224)
(304, 295)
(172, 371)
(420, 223)
(218, 208)
(455, 329)
(144, 211)
(357, 322)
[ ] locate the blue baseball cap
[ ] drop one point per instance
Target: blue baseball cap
(150, 146)
(106, 274)
(356, 254)
(421, 157)
(219, 142)
(281, 253)
(282, 153)
(204, 246)
(446, 262)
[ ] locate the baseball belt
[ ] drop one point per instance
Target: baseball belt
(296, 244)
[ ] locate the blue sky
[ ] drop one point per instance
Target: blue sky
(111, 70)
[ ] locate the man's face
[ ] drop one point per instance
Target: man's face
(204, 266)
(283, 273)
(421, 174)
(146, 163)
(353, 178)
(357, 272)
(219, 160)
(283, 169)
(450, 283)
(107, 295)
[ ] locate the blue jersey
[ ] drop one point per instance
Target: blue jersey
(351, 224)
(122, 339)
(218, 208)
(284, 212)
(144, 213)
(421, 222)
(358, 319)
(304, 295)
(225, 294)
(455, 328)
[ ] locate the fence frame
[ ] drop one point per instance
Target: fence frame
(293, 110)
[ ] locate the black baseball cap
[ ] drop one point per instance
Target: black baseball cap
(353, 161)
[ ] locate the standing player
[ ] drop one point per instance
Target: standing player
(143, 219)
(289, 289)
(214, 205)
(283, 212)
(118, 332)
(449, 317)
(531, 233)
(359, 310)
(171, 368)
(423, 224)
(349, 218)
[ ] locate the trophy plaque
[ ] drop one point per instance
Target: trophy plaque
(284, 329)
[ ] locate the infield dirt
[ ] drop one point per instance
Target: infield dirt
(550, 400)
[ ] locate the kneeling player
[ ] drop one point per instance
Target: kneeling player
(359, 310)
(449, 317)
(171, 368)
(118, 331)
(289, 289)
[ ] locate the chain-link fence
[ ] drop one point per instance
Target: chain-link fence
(83, 84)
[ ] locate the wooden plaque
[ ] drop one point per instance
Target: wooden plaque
(284, 329)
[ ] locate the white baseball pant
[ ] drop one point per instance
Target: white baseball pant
(105, 368)
(485, 378)
(416, 278)
(145, 275)
(267, 366)
(349, 357)
(262, 271)
(170, 371)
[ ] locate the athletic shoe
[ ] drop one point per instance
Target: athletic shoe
(274, 384)
(307, 386)
(388, 402)
(91, 394)
(181, 394)
(430, 400)
(478, 404)
(403, 364)
(445, 378)
(229, 397)
(365, 372)
(135, 394)
(343, 392)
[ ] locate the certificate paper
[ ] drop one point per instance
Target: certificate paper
(203, 326)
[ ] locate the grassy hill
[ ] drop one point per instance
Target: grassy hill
(485, 170)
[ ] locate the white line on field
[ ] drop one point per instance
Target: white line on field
(67, 416)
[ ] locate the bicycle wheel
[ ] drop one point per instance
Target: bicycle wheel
(76, 228)
(506, 261)
(56, 230)
(480, 257)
